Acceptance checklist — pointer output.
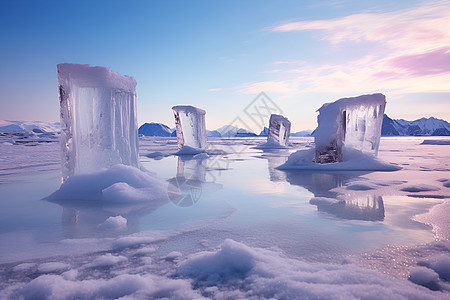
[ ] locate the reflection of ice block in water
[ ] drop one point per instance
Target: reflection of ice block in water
(98, 119)
(190, 125)
(368, 208)
(349, 122)
(279, 129)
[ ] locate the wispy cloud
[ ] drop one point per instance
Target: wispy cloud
(421, 28)
(215, 90)
(415, 55)
(275, 87)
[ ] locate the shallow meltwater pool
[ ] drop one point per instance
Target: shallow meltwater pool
(230, 225)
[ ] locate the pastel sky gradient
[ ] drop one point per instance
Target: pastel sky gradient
(219, 55)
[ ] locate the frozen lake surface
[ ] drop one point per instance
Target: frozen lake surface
(240, 228)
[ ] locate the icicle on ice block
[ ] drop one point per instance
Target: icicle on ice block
(98, 119)
(190, 126)
(349, 122)
(279, 129)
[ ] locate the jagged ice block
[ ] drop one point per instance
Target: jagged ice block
(351, 123)
(279, 129)
(98, 119)
(190, 126)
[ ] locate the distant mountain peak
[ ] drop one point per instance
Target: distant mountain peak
(420, 127)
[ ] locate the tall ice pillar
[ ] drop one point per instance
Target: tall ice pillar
(98, 119)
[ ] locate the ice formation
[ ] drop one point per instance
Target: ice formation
(98, 119)
(351, 123)
(279, 129)
(190, 126)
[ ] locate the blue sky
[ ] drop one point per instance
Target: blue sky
(218, 55)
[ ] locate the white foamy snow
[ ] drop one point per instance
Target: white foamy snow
(114, 223)
(270, 144)
(51, 267)
(106, 260)
(354, 160)
(119, 183)
(268, 274)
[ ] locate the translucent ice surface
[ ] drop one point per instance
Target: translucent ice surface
(349, 122)
(98, 119)
(190, 125)
(279, 129)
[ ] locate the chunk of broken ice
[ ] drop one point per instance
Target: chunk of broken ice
(349, 122)
(98, 119)
(190, 126)
(279, 129)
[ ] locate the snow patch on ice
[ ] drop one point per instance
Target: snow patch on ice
(114, 223)
(424, 276)
(440, 263)
(23, 267)
(70, 275)
(437, 217)
(51, 267)
(107, 260)
(187, 150)
(420, 188)
(240, 272)
(361, 186)
(119, 183)
(354, 160)
(173, 256)
(135, 286)
(270, 144)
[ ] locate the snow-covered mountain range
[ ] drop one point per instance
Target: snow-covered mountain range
(391, 127)
(28, 126)
(420, 127)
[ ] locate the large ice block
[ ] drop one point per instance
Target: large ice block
(279, 129)
(349, 122)
(190, 126)
(98, 119)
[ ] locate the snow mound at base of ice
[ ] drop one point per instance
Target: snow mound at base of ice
(188, 150)
(114, 223)
(270, 144)
(354, 160)
(118, 184)
(241, 272)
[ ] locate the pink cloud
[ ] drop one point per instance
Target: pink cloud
(418, 29)
(433, 62)
(412, 53)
